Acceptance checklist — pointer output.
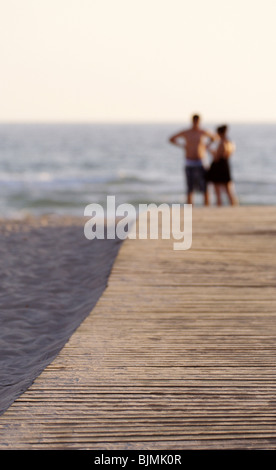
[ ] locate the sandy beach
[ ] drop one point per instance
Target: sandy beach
(51, 278)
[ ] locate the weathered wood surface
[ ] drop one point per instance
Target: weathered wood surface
(179, 352)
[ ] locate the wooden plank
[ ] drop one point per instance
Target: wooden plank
(179, 352)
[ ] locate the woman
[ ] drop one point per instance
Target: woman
(219, 173)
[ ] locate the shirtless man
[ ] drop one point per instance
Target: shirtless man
(195, 144)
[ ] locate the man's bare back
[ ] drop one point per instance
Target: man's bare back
(195, 144)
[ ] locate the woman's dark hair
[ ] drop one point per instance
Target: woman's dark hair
(221, 130)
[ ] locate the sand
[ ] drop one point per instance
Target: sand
(51, 278)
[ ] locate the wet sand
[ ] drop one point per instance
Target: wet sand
(51, 278)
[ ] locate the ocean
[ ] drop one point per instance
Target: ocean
(61, 168)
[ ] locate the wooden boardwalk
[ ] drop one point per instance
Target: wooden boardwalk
(179, 352)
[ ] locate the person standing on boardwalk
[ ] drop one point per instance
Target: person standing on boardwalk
(195, 144)
(219, 173)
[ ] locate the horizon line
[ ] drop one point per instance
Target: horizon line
(125, 122)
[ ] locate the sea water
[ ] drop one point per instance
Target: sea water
(61, 168)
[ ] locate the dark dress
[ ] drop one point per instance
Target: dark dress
(219, 171)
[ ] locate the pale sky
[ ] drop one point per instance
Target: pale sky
(137, 60)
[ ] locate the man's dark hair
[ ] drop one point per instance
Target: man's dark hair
(195, 118)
